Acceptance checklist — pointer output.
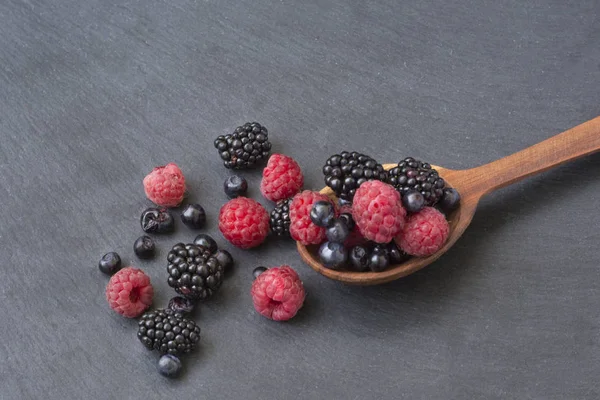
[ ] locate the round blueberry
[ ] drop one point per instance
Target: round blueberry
(257, 271)
(224, 258)
(322, 213)
(181, 305)
(379, 259)
(157, 220)
(235, 186)
(413, 201)
(348, 220)
(450, 199)
(359, 258)
(333, 255)
(110, 263)
(207, 242)
(193, 216)
(337, 231)
(396, 255)
(169, 366)
(144, 247)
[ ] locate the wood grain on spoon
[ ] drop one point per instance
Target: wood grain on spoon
(473, 184)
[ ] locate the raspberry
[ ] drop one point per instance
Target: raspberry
(378, 212)
(302, 228)
(424, 233)
(129, 292)
(282, 178)
(165, 185)
(355, 238)
(244, 222)
(278, 293)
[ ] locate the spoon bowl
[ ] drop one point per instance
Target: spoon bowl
(473, 184)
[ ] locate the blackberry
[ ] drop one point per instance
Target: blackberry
(346, 171)
(168, 332)
(412, 174)
(193, 272)
(280, 218)
(245, 147)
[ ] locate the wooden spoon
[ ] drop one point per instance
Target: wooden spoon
(473, 184)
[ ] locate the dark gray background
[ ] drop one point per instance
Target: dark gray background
(94, 93)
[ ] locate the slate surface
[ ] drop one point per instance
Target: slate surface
(94, 93)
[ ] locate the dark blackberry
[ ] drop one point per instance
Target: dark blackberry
(411, 174)
(245, 147)
(346, 171)
(168, 332)
(193, 272)
(280, 218)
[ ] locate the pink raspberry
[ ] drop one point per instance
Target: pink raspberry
(302, 228)
(129, 292)
(282, 178)
(278, 293)
(244, 222)
(378, 212)
(424, 233)
(165, 185)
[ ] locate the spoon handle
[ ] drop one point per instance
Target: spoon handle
(576, 142)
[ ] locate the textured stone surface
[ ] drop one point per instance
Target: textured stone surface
(93, 94)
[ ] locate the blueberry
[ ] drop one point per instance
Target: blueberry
(450, 199)
(224, 258)
(337, 231)
(348, 220)
(359, 258)
(110, 263)
(193, 216)
(257, 271)
(181, 305)
(396, 255)
(169, 366)
(322, 213)
(379, 259)
(333, 255)
(413, 201)
(207, 242)
(235, 186)
(144, 247)
(157, 220)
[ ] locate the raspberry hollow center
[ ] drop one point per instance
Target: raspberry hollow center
(134, 295)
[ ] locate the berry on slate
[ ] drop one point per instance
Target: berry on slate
(168, 332)
(110, 263)
(333, 255)
(338, 231)
(169, 366)
(224, 258)
(181, 305)
(396, 255)
(413, 201)
(450, 199)
(379, 259)
(279, 220)
(322, 213)
(345, 172)
(157, 220)
(144, 247)
(358, 257)
(278, 293)
(378, 211)
(129, 292)
(165, 185)
(207, 243)
(244, 222)
(257, 271)
(245, 147)
(424, 233)
(282, 178)
(302, 228)
(235, 186)
(193, 216)
(411, 174)
(192, 273)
